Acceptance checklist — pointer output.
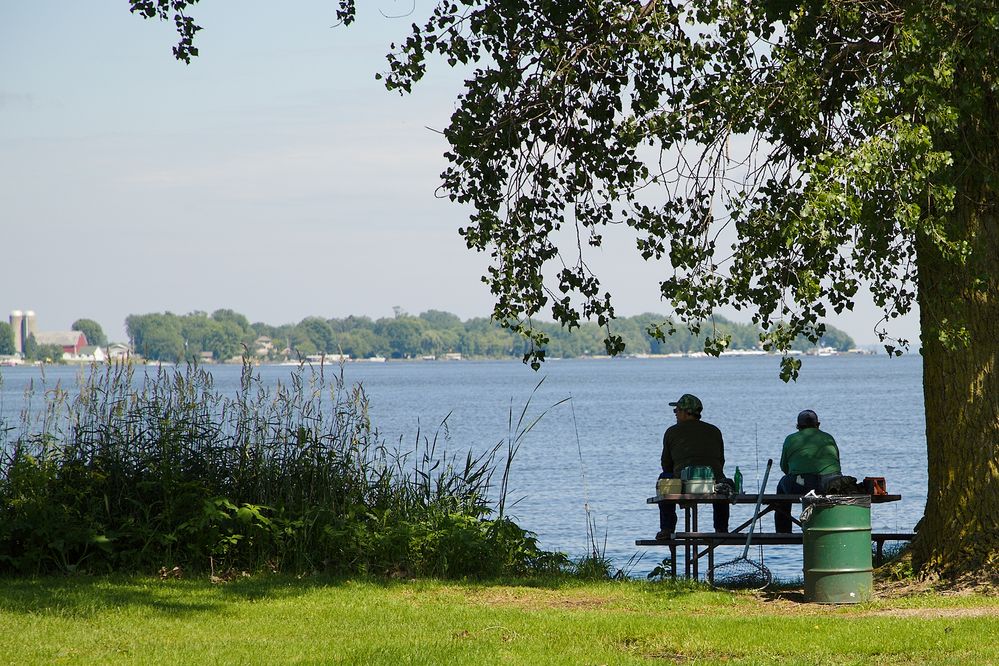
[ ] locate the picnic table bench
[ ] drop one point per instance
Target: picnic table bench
(697, 545)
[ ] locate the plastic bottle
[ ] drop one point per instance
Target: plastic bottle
(738, 481)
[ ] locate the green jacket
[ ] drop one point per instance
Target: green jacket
(693, 443)
(810, 451)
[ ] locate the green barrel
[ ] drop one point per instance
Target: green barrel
(837, 549)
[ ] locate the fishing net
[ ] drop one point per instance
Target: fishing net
(740, 574)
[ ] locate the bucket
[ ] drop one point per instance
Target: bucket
(837, 549)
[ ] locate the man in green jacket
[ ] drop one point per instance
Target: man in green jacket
(691, 442)
(809, 460)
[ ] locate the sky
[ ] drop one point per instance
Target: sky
(274, 175)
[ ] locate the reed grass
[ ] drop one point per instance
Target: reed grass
(138, 473)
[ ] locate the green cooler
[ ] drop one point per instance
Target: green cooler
(837, 549)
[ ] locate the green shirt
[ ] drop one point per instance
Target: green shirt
(810, 451)
(693, 443)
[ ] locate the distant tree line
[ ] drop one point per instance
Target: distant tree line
(174, 338)
(225, 334)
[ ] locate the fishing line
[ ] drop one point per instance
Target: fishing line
(756, 439)
(582, 474)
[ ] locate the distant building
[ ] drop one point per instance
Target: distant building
(118, 350)
(17, 323)
(263, 346)
(23, 324)
(90, 354)
(70, 341)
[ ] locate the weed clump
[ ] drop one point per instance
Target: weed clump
(162, 471)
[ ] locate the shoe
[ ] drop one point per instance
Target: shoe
(663, 535)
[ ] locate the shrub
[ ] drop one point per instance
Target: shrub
(163, 470)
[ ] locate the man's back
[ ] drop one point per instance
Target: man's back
(693, 442)
(810, 451)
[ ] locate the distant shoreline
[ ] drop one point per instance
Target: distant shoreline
(336, 359)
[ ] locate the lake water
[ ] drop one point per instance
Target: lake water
(601, 448)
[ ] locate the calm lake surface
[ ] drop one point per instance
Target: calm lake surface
(601, 447)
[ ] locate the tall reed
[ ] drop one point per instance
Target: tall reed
(163, 470)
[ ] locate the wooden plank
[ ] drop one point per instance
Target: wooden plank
(892, 536)
(705, 498)
(760, 538)
(723, 539)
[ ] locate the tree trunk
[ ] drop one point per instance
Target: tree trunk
(960, 531)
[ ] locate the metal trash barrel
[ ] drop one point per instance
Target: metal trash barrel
(837, 549)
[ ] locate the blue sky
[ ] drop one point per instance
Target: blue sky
(274, 175)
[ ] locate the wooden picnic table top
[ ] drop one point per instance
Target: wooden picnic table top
(712, 498)
(759, 538)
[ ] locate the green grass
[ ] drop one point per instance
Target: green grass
(276, 619)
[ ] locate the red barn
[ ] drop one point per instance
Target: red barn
(70, 341)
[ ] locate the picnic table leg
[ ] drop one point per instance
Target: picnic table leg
(687, 510)
(694, 560)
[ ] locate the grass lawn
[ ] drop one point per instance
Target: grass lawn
(275, 619)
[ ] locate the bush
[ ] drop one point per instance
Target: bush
(135, 474)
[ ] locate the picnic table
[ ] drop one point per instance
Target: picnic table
(697, 545)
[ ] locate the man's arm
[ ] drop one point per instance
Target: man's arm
(720, 472)
(784, 456)
(667, 457)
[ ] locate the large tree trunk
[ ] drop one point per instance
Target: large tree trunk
(960, 531)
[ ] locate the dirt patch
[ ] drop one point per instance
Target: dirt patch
(967, 586)
(792, 601)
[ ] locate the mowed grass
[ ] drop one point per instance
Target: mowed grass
(276, 619)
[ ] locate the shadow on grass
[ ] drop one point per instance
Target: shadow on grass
(89, 596)
(794, 595)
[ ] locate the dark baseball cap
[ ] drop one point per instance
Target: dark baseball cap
(688, 402)
(808, 419)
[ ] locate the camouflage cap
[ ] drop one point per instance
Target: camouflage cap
(689, 403)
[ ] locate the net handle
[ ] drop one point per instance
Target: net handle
(756, 512)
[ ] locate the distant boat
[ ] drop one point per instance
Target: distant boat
(375, 359)
(824, 351)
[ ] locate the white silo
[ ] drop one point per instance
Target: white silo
(16, 319)
(30, 326)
